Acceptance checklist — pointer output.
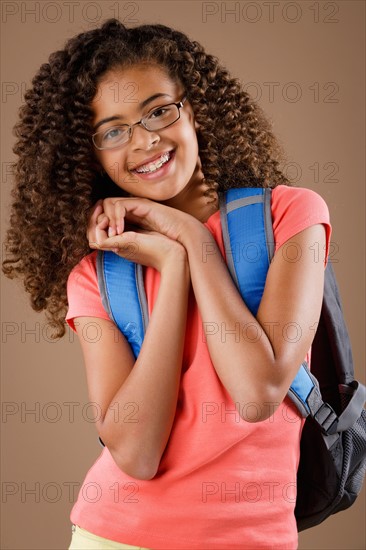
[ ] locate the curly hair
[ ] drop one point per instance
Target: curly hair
(57, 179)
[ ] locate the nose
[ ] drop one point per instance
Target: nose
(142, 138)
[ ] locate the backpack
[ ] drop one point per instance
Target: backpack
(333, 441)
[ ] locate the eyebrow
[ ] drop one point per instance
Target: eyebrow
(118, 117)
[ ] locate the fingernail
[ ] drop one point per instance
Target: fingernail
(111, 232)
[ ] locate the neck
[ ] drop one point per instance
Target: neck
(193, 201)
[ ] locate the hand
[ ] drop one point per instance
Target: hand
(143, 213)
(146, 247)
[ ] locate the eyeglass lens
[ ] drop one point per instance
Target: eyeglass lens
(156, 120)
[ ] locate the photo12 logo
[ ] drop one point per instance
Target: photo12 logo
(52, 491)
(251, 491)
(270, 12)
(70, 12)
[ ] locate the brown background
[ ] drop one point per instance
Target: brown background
(311, 55)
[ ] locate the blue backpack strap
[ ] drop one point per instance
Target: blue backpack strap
(123, 296)
(246, 222)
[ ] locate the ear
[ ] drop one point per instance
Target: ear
(196, 125)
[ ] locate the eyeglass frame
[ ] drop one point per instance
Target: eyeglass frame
(178, 104)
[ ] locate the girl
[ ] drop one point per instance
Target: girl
(146, 126)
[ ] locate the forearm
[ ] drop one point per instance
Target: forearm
(242, 362)
(153, 383)
(249, 355)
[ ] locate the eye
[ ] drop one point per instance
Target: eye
(114, 133)
(160, 112)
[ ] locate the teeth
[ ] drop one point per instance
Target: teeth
(153, 166)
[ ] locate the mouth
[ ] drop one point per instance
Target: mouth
(156, 165)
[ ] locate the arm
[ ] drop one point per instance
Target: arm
(137, 399)
(262, 364)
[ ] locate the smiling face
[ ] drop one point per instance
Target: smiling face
(166, 160)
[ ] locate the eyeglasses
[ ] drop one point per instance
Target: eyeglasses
(157, 119)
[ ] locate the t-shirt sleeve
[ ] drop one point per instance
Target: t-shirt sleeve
(296, 208)
(83, 292)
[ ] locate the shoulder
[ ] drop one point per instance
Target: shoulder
(295, 209)
(85, 269)
(83, 293)
(84, 275)
(305, 202)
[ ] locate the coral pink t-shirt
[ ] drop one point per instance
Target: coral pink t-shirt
(222, 482)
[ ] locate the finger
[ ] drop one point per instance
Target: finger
(102, 217)
(96, 211)
(103, 222)
(125, 245)
(99, 234)
(109, 209)
(131, 208)
(120, 213)
(92, 221)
